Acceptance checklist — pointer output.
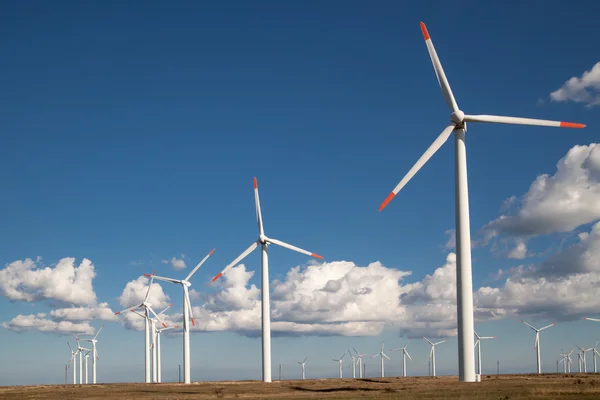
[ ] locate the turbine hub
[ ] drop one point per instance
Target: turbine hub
(262, 239)
(186, 283)
(458, 117)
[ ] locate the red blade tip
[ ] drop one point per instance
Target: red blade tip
(571, 125)
(212, 251)
(316, 255)
(148, 275)
(117, 313)
(193, 323)
(217, 277)
(163, 324)
(255, 185)
(387, 200)
(424, 30)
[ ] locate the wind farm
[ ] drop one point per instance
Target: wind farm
(131, 149)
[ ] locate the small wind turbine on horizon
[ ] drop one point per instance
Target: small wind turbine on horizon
(264, 242)
(359, 357)
(340, 363)
(536, 346)
(74, 360)
(464, 279)
(187, 314)
(159, 332)
(382, 355)
(583, 358)
(404, 355)
(80, 350)
(95, 356)
(303, 363)
(86, 357)
(478, 345)
(352, 364)
(432, 354)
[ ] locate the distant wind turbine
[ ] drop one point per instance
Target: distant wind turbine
(303, 363)
(340, 363)
(95, 357)
(432, 354)
(74, 360)
(353, 364)
(536, 346)
(382, 355)
(404, 355)
(359, 357)
(478, 345)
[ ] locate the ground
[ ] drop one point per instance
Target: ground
(498, 387)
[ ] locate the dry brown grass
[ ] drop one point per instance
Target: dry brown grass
(503, 387)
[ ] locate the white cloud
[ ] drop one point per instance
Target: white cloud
(23, 323)
(176, 263)
(519, 252)
(558, 203)
(100, 312)
(25, 281)
(581, 90)
(451, 243)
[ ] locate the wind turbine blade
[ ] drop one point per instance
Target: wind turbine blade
(439, 71)
(162, 278)
(237, 260)
(138, 313)
(548, 326)
(149, 286)
(127, 309)
(97, 333)
(385, 355)
(376, 355)
(430, 342)
(187, 278)
(443, 341)
(357, 353)
(258, 212)
(294, 248)
(592, 319)
(342, 357)
(189, 304)
(529, 325)
(156, 316)
(408, 355)
(476, 335)
(70, 348)
(304, 360)
(441, 139)
(406, 344)
(521, 121)
(165, 309)
(488, 337)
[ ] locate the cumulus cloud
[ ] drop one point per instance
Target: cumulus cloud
(558, 203)
(519, 252)
(100, 312)
(26, 281)
(584, 89)
(176, 263)
(23, 323)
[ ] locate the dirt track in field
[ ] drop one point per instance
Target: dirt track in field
(503, 387)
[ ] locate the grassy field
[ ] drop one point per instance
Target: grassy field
(502, 387)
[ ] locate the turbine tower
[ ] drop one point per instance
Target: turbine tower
(353, 364)
(74, 359)
(95, 357)
(359, 357)
(187, 315)
(536, 346)
(303, 363)
(432, 354)
(404, 355)
(159, 332)
(264, 241)
(464, 279)
(382, 355)
(478, 345)
(340, 363)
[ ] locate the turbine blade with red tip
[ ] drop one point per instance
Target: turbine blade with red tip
(294, 248)
(521, 121)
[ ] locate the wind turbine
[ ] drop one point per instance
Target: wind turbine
(340, 363)
(146, 315)
(404, 355)
(303, 363)
(74, 359)
(187, 314)
(563, 359)
(583, 358)
(382, 355)
(264, 241)
(93, 341)
(80, 350)
(478, 345)
(432, 354)
(159, 332)
(86, 357)
(353, 364)
(570, 361)
(536, 346)
(464, 280)
(360, 362)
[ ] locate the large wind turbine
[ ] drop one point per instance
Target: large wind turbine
(187, 314)
(74, 359)
(404, 355)
(264, 241)
(478, 345)
(382, 355)
(536, 346)
(303, 363)
(340, 363)
(432, 354)
(147, 310)
(464, 280)
(93, 341)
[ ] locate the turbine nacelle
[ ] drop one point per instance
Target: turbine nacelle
(458, 117)
(263, 239)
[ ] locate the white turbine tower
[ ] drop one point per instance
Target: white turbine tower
(340, 363)
(359, 357)
(478, 345)
(187, 315)
(74, 359)
(404, 355)
(147, 311)
(80, 350)
(432, 354)
(583, 358)
(353, 364)
(86, 357)
(464, 280)
(382, 355)
(536, 346)
(159, 332)
(303, 363)
(264, 241)
(95, 357)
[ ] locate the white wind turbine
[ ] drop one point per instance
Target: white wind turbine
(159, 332)
(146, 315)
(353, 364)
(264, 241)
(187, 314)
(86, 357)
(80, 350)
(340, 363)
(359, 357)
(570, 361)
(95, 357)
(74, 359)
(303, 363)
(536, 346)
(432, 354)
(478, 345)
(464, 280)
(382, 355)
(404, 355)
(583, 358)
(563, 360)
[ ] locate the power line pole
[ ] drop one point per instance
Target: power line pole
(498, 367)
(66, 368)
(557, 366)
(279, 371)
(179, 373)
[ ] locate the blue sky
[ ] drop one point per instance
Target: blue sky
(131, 134)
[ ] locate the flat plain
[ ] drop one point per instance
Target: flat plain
(498, 387)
